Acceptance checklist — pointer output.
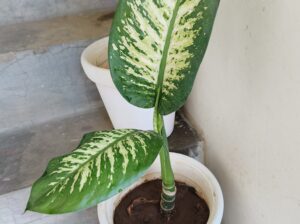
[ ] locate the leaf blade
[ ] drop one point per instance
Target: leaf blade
(102, 165)
(155, 43)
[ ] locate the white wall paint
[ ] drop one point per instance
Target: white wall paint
(246, 100)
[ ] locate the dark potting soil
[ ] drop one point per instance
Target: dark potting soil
(142, 206)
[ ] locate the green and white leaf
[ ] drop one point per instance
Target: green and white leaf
(156, 47)
(102, 165)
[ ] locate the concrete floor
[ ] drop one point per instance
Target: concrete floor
(12, 212)
(40, 65)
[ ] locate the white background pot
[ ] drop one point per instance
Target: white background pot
(186, 170)
(122, 114)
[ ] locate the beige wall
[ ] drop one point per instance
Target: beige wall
(246, 100)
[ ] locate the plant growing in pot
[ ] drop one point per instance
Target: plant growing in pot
(155, 49)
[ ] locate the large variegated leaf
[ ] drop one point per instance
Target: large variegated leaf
(156, 47)
(102, 165)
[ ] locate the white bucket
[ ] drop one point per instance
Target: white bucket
(186, 170)
(121, 113)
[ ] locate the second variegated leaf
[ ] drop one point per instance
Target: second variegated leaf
(102, 165)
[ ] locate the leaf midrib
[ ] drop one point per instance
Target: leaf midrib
(162, 66)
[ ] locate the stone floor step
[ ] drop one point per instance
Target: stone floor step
(41, 78)
(16, 11)
(39, 35)
(25, 153)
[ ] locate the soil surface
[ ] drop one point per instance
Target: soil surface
(141, 206)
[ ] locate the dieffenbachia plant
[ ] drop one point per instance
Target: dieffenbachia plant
(155, 49)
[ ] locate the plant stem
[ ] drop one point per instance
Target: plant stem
(168, 195)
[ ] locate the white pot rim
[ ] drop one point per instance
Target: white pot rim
(90, 58)
(214, 197)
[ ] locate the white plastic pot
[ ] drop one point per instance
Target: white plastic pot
(121, 113)
(186, 170)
